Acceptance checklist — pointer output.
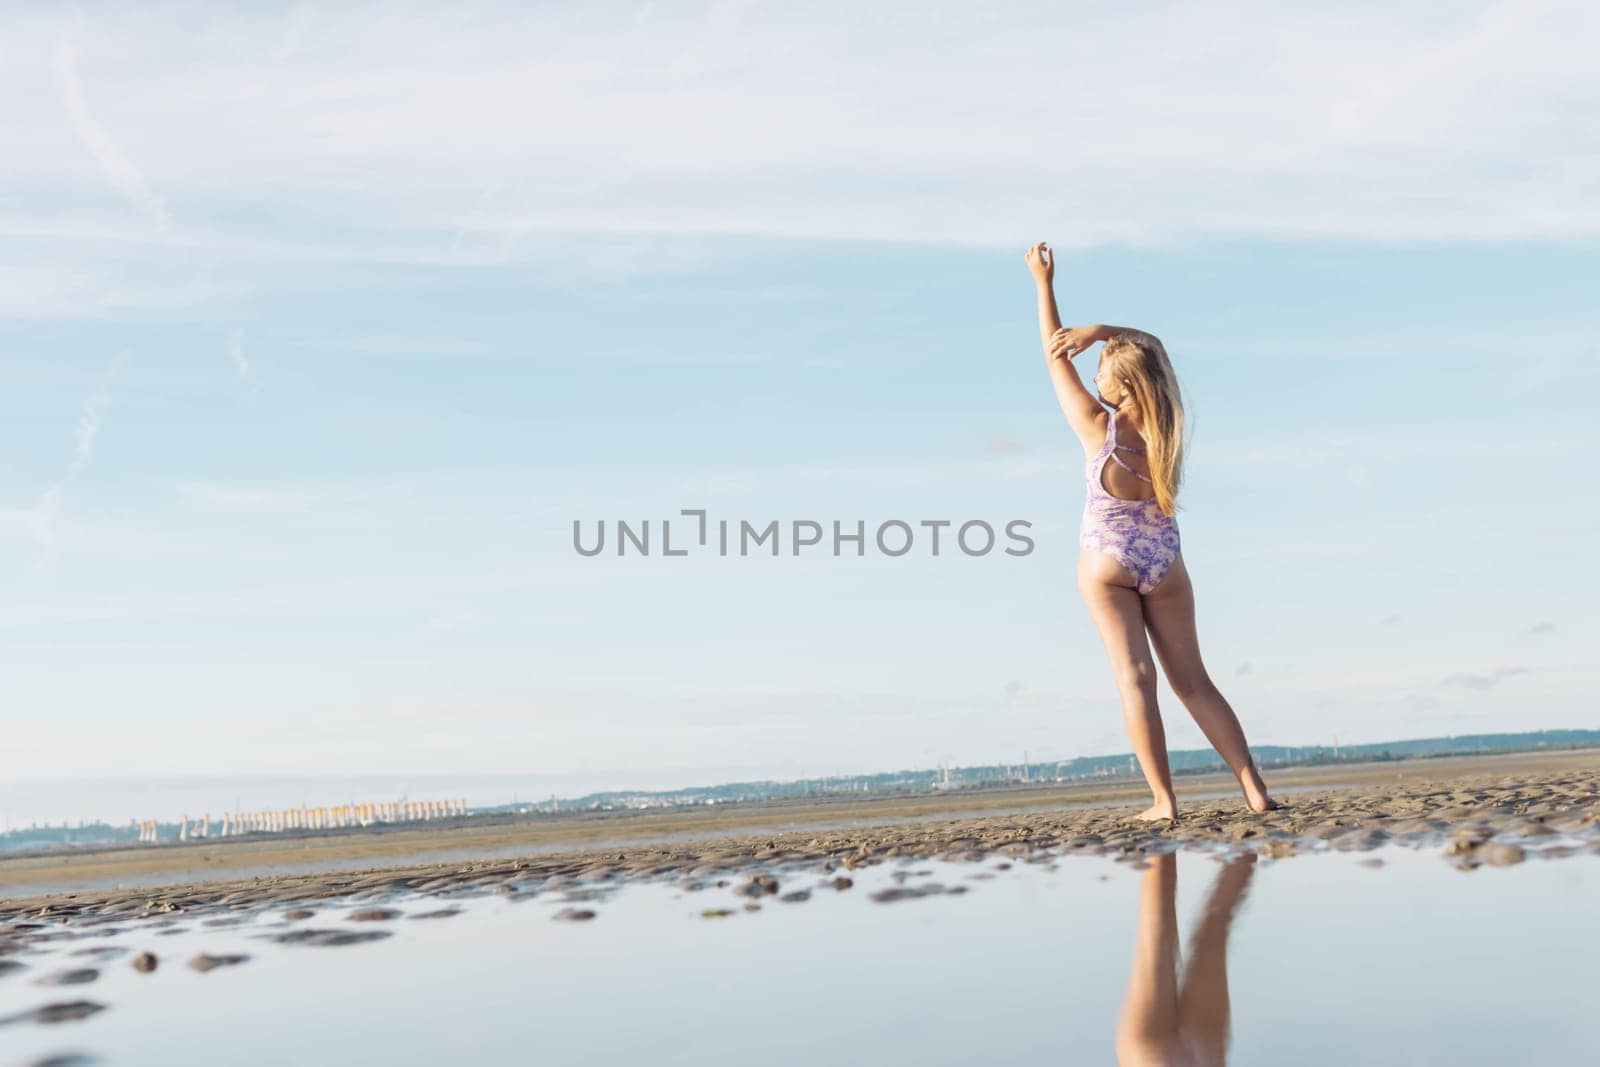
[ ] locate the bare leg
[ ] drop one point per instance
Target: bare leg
(1148, 1030)
(1169, 614)
(1117, 614)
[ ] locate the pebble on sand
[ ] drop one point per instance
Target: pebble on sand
(207, 962)
(716, 913)
(759, 885)
(842, 883)
(574, 914)
(145, 962)
(369, 915)
(296, 914)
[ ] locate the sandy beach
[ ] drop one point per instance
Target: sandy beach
(543, 932)
(1494, 809)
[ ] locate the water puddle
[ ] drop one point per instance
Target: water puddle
(1393, 956)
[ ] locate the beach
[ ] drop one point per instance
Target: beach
(1517, 800)
(944, 928)
(971, 908)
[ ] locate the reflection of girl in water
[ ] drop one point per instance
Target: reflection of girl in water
(1165, 1022)
(1130, 570)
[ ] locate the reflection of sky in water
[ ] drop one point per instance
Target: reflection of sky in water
(1329, 962)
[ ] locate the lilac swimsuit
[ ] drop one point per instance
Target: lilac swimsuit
(1135, 533)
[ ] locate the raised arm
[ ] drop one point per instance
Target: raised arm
(1106, 333)
(1082, 409)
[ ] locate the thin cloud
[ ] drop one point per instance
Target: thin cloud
(1540, 628)
(1006, 446)
(1483, 682)
(236, 353)
(1329, 135)
(42, 519)
(119, 171)
(1243, 669)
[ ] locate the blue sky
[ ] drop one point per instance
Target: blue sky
(318, 328)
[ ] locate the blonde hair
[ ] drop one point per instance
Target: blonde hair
(1140, 362)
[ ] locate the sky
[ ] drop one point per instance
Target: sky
(321, 326)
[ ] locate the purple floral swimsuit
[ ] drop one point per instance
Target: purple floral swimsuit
(1135, 533)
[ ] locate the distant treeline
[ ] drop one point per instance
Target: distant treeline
(1183, 761)
(1186, 761)
(92, 833)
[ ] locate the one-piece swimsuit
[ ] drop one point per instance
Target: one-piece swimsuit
(1136, 533)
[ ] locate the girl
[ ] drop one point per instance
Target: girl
(1129, 568)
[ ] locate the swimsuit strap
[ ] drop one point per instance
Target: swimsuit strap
(1124, 465)
(1111, 439)
(1111, 433)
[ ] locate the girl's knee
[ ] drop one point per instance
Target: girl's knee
(1137, 675)
(1187, 687)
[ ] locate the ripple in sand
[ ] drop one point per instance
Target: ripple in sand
(64, 1059)
(100, 952)
(60, 1012)
(329, 938)
(207, 962)
(76, 976)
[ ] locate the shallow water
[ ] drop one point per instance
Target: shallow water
(1324, 959)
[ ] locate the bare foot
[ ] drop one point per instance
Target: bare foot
(1255, 790)
(1166, 812)
(1259, 801)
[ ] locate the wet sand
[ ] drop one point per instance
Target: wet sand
(1476, 810)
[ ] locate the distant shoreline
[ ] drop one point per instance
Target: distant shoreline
(493, 838)
(1103, 771)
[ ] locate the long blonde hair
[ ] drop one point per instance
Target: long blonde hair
(1140, 362)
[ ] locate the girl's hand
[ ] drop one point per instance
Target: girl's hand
(1066, 343)
(1041, 262)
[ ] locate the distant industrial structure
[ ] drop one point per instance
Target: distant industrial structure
(941, 778)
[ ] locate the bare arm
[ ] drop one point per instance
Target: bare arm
(1106, 333)
(1084, 413)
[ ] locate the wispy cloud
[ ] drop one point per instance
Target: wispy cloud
(236, 353)
(1540, 628)
(292, 499)
(1302, 123)
(42, 519)
(1482, 682)
(1007, 446)
(118, 170)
